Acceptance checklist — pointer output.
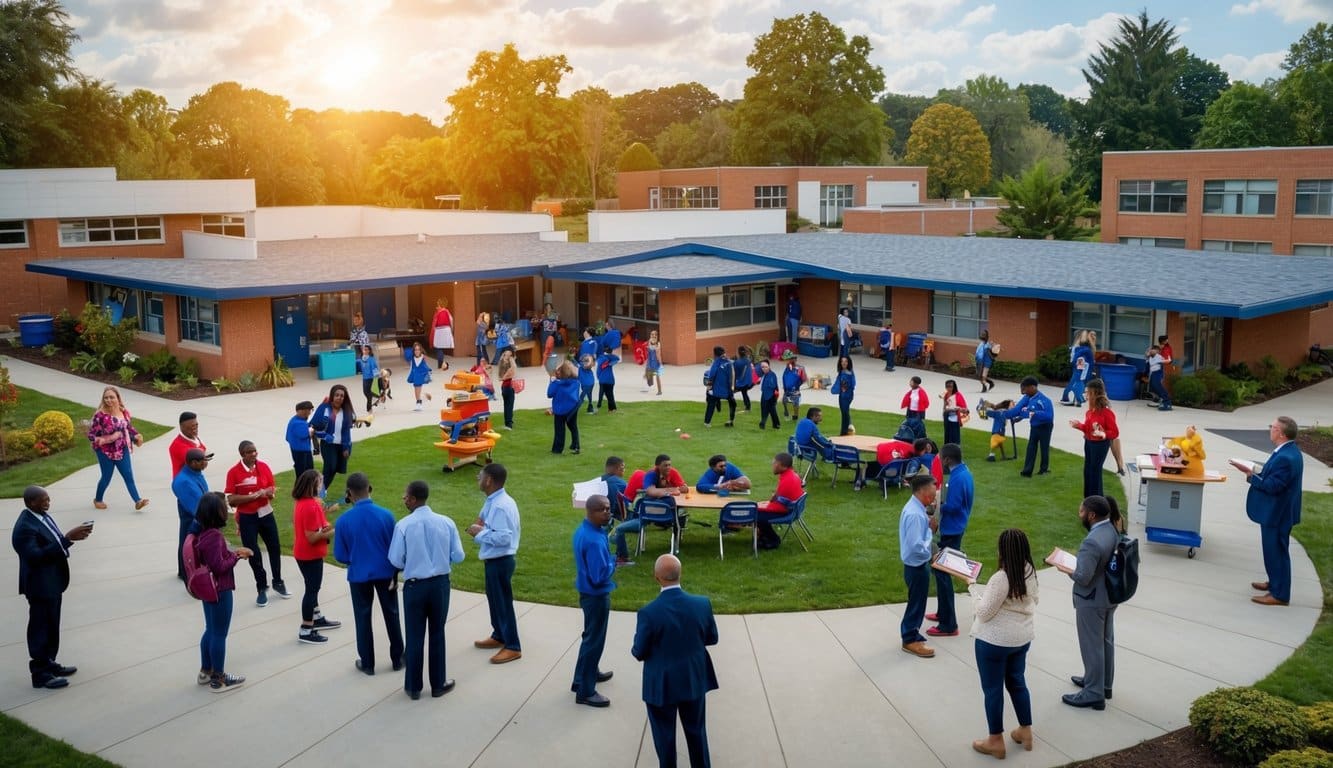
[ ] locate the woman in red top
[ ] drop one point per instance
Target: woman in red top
(442, 332)
(310, 545)
(1099, 429)
(954, 408)
(114, 438)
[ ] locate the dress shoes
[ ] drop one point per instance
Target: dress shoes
(1023, 736)
(365, 669)
(414, 695)
(398, 666)
(1267, 600)
(1259, 586)
(996, 752)
(919, 649)
(506, 655)
(932, 617)
(1083, 702)
(1078, 680)
(602, 677)
(489, 643)
(60, 671)
(595, 700)
(436, 693)
(51, 683)
(937, 632)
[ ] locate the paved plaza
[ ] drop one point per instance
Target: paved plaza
(813, 688)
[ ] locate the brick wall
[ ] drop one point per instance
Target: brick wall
(1285, 336)
(736, 184)
(676, 329)
(945, 222)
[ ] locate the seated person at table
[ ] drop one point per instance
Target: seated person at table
(722, 475)
(614, 476)
(663, 481)
(631, 524)
(808, 435)
(789, 489)
(886, 453)
(929, 454)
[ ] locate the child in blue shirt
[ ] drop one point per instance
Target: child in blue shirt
(586, 379)
(606, 380)
(370, 370)
(298, 438)
(768, 395)
(792, 379)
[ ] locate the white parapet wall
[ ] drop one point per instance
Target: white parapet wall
(79, 193)
(622, 226)
(200, 245)
(303, 222)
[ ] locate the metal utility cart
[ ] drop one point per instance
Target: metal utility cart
(1172, 503)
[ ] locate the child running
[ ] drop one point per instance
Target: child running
(652, 367)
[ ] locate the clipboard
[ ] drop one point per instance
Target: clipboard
(957, 564)
(1062, 558)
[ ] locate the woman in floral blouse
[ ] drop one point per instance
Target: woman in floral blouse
(114, 438)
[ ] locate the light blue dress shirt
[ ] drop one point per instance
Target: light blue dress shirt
(425, 544)
(500, 516)
(914, 533)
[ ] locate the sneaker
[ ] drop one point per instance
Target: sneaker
(312, 637)
(623, 562)
(326, 623)
(507, 427)
(418, 407)
(1163, 407)
(204, 678)
(220, 683)
(262, 599)
(281, 589)
(991, 457)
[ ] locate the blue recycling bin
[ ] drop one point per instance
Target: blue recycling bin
(37, 330)
(1119, 379)
(337, 364)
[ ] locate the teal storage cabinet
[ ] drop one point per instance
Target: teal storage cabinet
(337, 364)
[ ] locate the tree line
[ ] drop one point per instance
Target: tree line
(814, 98)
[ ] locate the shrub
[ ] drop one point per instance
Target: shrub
(1217, 388)
(49, 350)
(1012, 371)
(1054, 364)
(188, 381)
(160, 364)
(277, 374)
(248, 382)
(1271, 375)
(1246, 390)
(1238, 372)
(108, 340)
(127, 373)
(66, 331)
(19, 445)
(164, 386)
(1245, 725)
(189, 367)
(86, 362)
(224, 384)
(1306, 373)
(1188, 391)
(1320, 717)
(55, 428)
(1310, 757)
(576, 206)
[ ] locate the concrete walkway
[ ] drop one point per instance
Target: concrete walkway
(797, 689)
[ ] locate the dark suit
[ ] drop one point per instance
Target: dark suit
(1094, 616)
(1274, 502)
(670, 640)
(43, 578)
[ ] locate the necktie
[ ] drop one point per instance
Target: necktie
(60, 537)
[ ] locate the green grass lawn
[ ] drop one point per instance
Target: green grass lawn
(576, 226)
(48, 469)
(853, 561)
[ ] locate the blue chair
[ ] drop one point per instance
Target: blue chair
(807, 454)
(845, 457)
(794, 519)
(893, 474)
(739, 513)
(662, 513)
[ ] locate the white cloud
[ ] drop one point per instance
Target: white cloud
(913, 15)
(924, 78)
(1252, 69)
(980, 15)
(1287, 10)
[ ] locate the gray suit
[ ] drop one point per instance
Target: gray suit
(1094, 616)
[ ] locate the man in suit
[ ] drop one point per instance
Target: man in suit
(1274, 502)
(670, 639)
(1094, 615)
(43, 577)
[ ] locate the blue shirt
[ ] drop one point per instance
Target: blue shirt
(362, 536)
(709, 480)
(845, 384)
(499, 515)
(791, 379)
(586, 377)
(615, 491)
(564, 394)
(606, 370)
(1037, 408)
(594, 565)
(503, 335)
(957, 505)
(744, 368)
(914, 533)
(370, 368)
(722, 376)
(189, 485)
(589, 347)
(298, 435)
(793, 309)
(425, 544)
(808, 435)
(419, 372)
(768, 385)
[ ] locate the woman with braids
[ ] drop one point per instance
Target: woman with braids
(1002, 626)
(1094, 615)
(1099, 429)
(333, 426)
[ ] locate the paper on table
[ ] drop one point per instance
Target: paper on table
(953, 562)
(1245, 463)
(593, 487)
(1062, 558)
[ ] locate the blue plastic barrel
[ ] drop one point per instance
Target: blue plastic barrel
(1119, 379)
(37, 330)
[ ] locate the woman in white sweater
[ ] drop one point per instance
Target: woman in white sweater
(1002, 627)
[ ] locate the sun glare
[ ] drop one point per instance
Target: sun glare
(348, 67)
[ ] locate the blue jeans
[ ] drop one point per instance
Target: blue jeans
(917, 578)
(186, 520)
(123, 466)
(425, 609)
(1155, 383)
(793, 324)
(213, 643)
(631, 525)
(845, 407)
(500, 599)
(1075, 387)
(585, 393)
(944, 609)
(1094, 456)
(596, 615)
(363, 598)
(1002, 668)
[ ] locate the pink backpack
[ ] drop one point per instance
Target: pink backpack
(199, 581)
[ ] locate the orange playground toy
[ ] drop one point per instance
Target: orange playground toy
(465, 423)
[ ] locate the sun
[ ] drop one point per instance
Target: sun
(348, 67)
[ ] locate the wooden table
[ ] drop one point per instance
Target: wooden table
(696, 500)
(862, 443)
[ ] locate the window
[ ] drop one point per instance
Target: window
(636, 303)
(1152, 196)
(684, 197)
(230, 224)
(1154, 242)
(735, 306)
(833, 199)
(1240, 197)
(871, 304)
(1127, 330)
(1314, 197)
(963, 315)
(1237, 246)
(1312, 250)
(128, 229)
(144, 306)
(199, 320)
(13, 234)
(770, 196)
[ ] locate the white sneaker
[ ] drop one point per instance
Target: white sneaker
(418, 408)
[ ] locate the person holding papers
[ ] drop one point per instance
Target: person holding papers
(1002, 626)
(1094, 615)
(954, 513)
(1274, 502)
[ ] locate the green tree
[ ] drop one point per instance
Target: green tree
(511, 135)
(700, 143)
(152, 151)
(1199, 83)
(1043, 206)
(1245, 116)
(409, 173)
(949, 141)
(638, 157)
(810, 100)
(1134, 102)
(1048, 107)
(35, 40)
(601, 139)
(1002, 113)
(647, 113)
(902, 110)
(81, 124)
(1313, 49)
(1036, 144)
(1307, 94)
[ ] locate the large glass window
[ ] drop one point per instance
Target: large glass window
(125, 229)
(14, 234)
(964, 315)
(633, 302)
(230, 224)
(669, 198)
(200, 320)
(871, 304)
(1312, 250)
(772, 196)
(1240, 197)
(735, 306)
(1155, 196)
(1237, 246)
(144, 306)
(833, 199)
(1127, 330)
(1314, 197)
(1154, 242)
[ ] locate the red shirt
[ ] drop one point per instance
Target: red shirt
(308, 515)
(916, 400)
(244, 481)
(1104, 417)
(789, 487)
(635, 484)
(178, 448)
(889, 450)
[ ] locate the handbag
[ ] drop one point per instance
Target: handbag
(517, 385)
(199, 581)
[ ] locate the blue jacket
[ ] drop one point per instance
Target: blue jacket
(1083, 352)
(722, 378)
(323, 422)
(768, 385)
(418, 374)
(709, 479)
(791, 379)
(587, 377)
(361, 541)
(671, 639)
(189, 486)
(606, 371)
(957, 505)
(503, 335)
(298, 435)
(370, 367)
(793, 309)
(1274, 498)
(1037, 409)
(565, 395)
(590, 347)
(594, 565)
(744, 368)
(845, 384)
(808, 435)
(610, 341)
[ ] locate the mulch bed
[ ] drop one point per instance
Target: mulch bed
(1177, 749)
(1317, 444)
(60, 362)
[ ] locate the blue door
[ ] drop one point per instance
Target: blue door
(378, 308)
(290, 337)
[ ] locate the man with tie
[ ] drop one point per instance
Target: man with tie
(671, 640)
(1274, 502)
(43, 553)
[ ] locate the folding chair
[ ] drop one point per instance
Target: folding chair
(794, 519)
(845, 456)
(893, 474)
(804, 454)
(661, 513)
(739, 513)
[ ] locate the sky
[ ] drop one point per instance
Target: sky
(410, 55)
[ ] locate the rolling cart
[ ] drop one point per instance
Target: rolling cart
(1172, 504)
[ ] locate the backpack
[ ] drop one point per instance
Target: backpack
(199, 581)
(1122, 570)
